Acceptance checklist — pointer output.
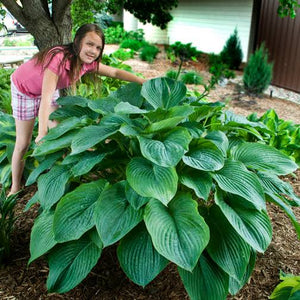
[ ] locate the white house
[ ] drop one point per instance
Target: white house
(207, 24)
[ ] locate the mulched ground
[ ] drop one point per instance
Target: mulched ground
(108, 282)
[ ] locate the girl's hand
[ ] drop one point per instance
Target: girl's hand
(39, 138)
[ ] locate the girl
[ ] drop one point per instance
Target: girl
(35, 85)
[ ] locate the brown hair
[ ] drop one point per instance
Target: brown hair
(71, 51)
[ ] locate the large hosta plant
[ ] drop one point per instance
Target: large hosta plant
(168, 178)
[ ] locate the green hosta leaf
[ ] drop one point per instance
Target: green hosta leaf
(71, 262)
(138, 258)
(151, 180)
(130, 92)
(48, 147)
(273, 185)
(73, 100)
(90, 136)
(114, 216)
(163, 92)
(199, 181)
(195, 129)
(3, 155)
(127, 108)
(178, 232)
(204, 156)
(46, 164)
(206, 282)
(5, 173)
(74, 214)
(51, 186)
(135, 200)
(65, 126)
(235, 178)
(204, 112)
(277, 199)
(226, 247)
(231, 118)
(168, 151)
(263, 158)
(288, 289)
(220, 139)
(104, 106)
(42, 235)
(87, 162)
(66, 112)
(116, 119)
(252, 225)
(161, 120)
(235, 285)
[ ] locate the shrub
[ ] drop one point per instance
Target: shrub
(131, 44)
(281, 134)
(258, 72)
(7, 220)
(124, 54)
(5, 93)
(114, 35)
(148, 53)
(168, 179)
(191, 78)
(172, 74)
(232, 54)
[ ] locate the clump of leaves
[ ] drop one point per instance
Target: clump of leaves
(258, 72)
(191, 77)
(131, 44)
(5, 94)
(288, 289)
(7, 220)
(183, 52)
(167, 178)
(124, 54)
(148, 53)
(232, 53)
(283, 135)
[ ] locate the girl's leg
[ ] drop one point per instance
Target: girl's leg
(23, 138)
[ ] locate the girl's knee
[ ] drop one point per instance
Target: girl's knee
(21, 148)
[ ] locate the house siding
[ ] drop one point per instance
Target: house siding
(207, 24)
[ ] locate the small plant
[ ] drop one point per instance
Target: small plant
(131, 44)
(171, 74)
(183, 52)
(232, 54)
(114, 34)
(258, 72)
(288, 289)
(124, 54)
(148, 53)
(191, 78)
(282, 135)
(5, 95)
(7, 220)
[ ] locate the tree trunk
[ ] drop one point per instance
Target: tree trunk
(48, 28)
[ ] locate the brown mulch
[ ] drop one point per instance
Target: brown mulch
(108, 282)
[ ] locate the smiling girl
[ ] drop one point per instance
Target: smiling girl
(35, 87)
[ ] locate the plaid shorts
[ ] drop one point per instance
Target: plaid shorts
(25, 107)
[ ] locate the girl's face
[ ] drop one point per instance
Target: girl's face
(91, 46)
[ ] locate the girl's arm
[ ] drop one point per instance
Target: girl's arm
(48, 88)
(119, 74)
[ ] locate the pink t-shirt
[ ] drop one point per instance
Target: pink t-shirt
(28, 77)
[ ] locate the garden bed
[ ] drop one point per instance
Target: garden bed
(107, 281)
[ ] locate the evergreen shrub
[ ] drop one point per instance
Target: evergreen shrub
(258, 72)
(232, 54)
